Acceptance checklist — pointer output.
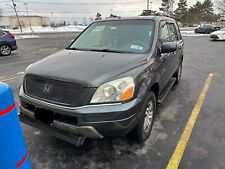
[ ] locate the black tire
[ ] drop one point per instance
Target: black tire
(178, 73)
(139, 133)
(5, 50)
(207, 32)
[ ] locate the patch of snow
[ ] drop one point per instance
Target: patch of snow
(187, 28)
(192, 34)
(38, 29)
(27, 37)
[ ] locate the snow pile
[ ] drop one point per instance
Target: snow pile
(49, 29)
(187, 28)
(192, 33)
(27, 37)
(185, 31)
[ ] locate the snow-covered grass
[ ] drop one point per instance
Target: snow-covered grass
(192, 33)
(187, 28)
(26, 36)
(37, 30)
(28, 33)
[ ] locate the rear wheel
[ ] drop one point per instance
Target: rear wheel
(5, 50)
(207, 32)
(144, 126)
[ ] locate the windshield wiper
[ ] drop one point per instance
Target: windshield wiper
(99, 50)
(106, 50)
(72, 48)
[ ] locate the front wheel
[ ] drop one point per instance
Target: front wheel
(5, 50)
(144, 127)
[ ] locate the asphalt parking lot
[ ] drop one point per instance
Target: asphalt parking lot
(205, 148)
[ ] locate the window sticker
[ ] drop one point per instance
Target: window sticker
(136, 47)
(113, 28)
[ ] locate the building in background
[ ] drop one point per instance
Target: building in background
(11, 21)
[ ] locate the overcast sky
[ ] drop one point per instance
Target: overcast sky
(70, 9)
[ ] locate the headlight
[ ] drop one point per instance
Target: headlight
(114, 91)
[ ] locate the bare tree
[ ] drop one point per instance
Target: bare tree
(98, 16)
(221, 6)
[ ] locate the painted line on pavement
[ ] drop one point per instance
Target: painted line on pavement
(8, 79)
(182, 143)
(20, 73)
(14, 63)
(12, 78)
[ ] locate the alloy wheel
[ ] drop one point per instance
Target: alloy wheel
(5, 50)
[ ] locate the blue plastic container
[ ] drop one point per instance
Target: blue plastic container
(13, 152)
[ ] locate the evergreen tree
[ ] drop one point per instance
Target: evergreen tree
(221, 6)
(148, 13)
(207, 11)
(202, 12)
(181, 12)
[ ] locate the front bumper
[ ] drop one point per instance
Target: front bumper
(92, 121)
(214, 37)
(14, 48)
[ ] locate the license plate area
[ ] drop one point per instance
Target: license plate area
(43, 115)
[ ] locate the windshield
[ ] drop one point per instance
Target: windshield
(125, 36)
(223, 29)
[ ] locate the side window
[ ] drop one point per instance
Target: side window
(173, 32)
(2, 33)
(164, 34)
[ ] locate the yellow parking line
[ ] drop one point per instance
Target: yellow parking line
(9, 79)
(182, 143)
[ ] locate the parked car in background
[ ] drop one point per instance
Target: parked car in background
(218, 35)
(7, 43)
(107, 83)
(206, 28)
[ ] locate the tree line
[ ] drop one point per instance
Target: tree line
(199, 12)
(195, 14)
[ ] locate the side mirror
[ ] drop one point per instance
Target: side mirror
(168, 47)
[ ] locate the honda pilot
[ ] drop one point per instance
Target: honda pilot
(107, 83)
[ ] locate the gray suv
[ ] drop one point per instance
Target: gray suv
(107, 83)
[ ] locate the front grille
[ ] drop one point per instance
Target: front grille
(57, 92)
(214, 37)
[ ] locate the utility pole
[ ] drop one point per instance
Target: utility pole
(28, 17)
(53, 22)
(14, 7)
(147, 5)
(151, 5)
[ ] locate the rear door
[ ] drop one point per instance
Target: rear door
(175, 56)
(165, 58)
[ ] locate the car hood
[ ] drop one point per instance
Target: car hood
(85, 67)
(218, 32)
